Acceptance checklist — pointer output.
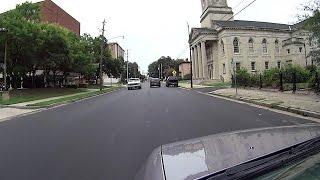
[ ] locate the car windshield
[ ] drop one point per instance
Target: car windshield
(308, 168)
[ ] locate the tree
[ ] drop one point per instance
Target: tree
(23, 38)
(312, 19)
(168, 66)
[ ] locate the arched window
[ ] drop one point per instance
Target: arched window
(251, 50)
(264, 46)
(236, 45)
(276, 43)
(222, 46)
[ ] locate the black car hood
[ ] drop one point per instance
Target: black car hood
(197, 158)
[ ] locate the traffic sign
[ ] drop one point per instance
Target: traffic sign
(174, 73)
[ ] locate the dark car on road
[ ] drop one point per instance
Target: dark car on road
(172, 81)
(289, 152)
(155, 82)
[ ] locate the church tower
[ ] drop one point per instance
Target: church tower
(215, 10)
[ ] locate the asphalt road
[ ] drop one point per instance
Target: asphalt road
(110, 136)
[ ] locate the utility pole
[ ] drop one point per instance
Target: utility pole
(235, 75)
(161, 73)
(127, 65)
(191, 73)
(305, 54)
(101, 56)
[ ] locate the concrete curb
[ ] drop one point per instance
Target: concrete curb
(278, 107)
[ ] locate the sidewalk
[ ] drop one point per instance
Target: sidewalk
(303, 104)
(12, 112)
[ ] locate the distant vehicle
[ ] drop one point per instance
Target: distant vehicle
(134, 83)
(291, 152)
(155, 82)
(172, 81)
(72, 82)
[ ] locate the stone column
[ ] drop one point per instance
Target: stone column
(196, 64)
(193, 63)
(200, 66)
(204, 60)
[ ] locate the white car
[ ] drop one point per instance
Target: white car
(134, 83)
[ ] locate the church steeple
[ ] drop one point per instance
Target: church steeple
(213, 10)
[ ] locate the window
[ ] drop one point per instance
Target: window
(266, 65)
(288, 51)
(238, 66)
(236, 45)
(251, 50)
(277, 46)
(222, 47)
(224, 68)
(253, 66)
(279, 64)
(264, 46)
(300, 49)
(289, 62)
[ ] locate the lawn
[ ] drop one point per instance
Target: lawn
(74, 98)
(25, 95)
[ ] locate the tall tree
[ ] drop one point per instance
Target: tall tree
(312, 23)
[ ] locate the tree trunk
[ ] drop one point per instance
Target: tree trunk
(54, 78)
(33, 78)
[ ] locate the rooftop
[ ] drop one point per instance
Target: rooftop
(254, 25)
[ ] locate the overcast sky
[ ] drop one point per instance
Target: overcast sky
(155, 28)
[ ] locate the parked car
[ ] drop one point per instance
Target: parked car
(134, 83)
(291, 152)
(72, 82)
(155, 82)
(172, 81)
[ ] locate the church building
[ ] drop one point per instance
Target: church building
(223, 44)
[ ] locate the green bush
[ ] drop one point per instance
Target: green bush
(254, 80)
(302, 74)
(271, 78)
(243, 77)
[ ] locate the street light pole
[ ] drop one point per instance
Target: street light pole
(5, 65)
(127, 65)
(190, 51)
(101, 55)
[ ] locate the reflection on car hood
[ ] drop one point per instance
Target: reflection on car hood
(201, 157)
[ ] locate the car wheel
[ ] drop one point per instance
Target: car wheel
(129, 88)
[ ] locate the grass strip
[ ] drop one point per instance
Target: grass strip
(74, 98)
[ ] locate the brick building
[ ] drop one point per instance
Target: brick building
(184, 68)
(116, 50)
(52, 13)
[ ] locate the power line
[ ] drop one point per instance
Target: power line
(232, 8)
(221, 19)
(242, 9)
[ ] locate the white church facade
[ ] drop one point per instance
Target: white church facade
(256, 46)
